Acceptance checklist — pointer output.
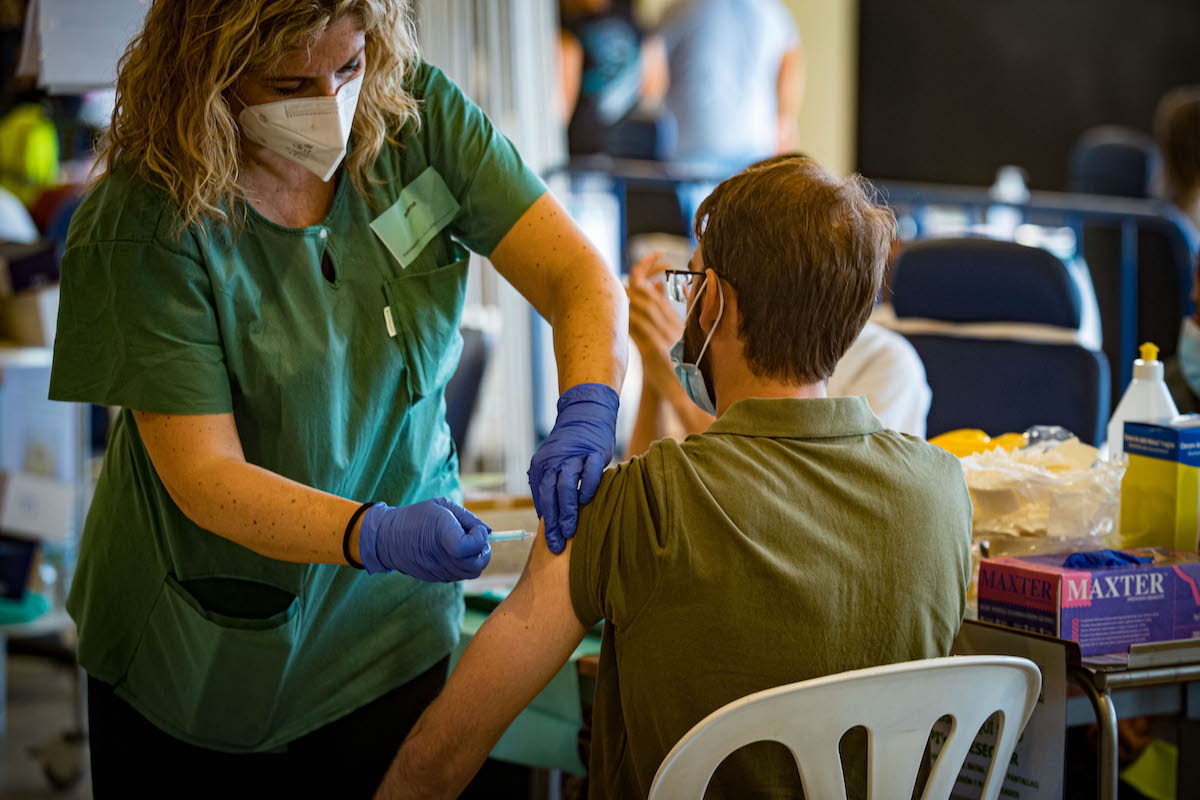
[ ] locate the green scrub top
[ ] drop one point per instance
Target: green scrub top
(337, 384)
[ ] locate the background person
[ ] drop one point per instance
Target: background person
(610, 69)
(268, 281)
(1177, 129)
(1182, 371)
(737, 79)
(721, 564)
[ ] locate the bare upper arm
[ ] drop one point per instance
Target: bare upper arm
(545, 588)
(180, 445)
(543, 250)
(535, 625)
(516, 652)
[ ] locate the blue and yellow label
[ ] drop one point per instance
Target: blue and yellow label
(1160, 493)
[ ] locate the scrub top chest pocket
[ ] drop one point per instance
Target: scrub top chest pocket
(423, 306)
(425, 207)
(422, 315)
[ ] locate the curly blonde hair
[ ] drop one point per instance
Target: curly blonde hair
(173, 123)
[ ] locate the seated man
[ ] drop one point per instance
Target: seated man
(795, 538)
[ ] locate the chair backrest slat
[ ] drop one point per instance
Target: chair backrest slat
(898, 705)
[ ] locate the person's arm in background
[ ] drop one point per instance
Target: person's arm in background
(654, 326)
(570, 73)
(649, 425)
(789, 97)
(656, 74)
(516, 652)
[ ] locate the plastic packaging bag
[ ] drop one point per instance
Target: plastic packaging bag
(1054, 494)
(1054, 488)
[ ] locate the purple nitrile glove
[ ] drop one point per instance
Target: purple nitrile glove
(566, 469)
(434, 541)
(1101, 559)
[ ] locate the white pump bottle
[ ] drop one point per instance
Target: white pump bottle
(1146, 398)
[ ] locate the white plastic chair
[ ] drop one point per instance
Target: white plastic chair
(897, 704)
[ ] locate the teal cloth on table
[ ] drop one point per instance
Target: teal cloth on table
(545, 734)
(28, 608)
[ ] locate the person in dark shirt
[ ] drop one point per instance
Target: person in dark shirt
(610, 69)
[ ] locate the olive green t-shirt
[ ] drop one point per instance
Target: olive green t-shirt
(331, 345)
(793, 539)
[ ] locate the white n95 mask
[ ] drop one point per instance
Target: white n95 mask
(312, 131)
(689, 375)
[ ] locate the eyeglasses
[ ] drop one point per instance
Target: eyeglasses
(678, 281)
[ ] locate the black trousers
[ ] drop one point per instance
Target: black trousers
(347, 758)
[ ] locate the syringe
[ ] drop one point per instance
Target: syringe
(509, 536)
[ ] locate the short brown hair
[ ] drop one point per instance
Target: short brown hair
(805, 252)
(1177, 128)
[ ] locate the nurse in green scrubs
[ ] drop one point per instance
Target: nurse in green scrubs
(267, 280)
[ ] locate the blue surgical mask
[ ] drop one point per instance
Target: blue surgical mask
(689, 375)
(1189, 353)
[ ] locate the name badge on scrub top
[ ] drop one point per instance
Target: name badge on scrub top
(424, 208)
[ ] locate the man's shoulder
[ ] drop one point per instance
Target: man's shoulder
(635, 486)
(920, 452)
(650, 465)
(932, 474)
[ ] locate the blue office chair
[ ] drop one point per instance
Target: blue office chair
(1166, 252)
(1113, 161)
(462, 391)
(644, 136)
(999, 384)
(1120, 162)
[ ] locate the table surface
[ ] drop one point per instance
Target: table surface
(1144, 656)
(588, 666)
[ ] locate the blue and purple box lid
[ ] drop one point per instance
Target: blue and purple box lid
(1103, 609)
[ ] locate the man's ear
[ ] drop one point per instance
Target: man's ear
(715, 292)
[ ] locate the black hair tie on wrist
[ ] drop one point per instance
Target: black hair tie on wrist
(350, 529)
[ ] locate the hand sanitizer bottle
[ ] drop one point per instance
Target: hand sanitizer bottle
(1146, 398)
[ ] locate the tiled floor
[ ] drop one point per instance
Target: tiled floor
(41, 707)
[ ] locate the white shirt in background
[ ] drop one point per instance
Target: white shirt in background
(881, 365)
(884, 367)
